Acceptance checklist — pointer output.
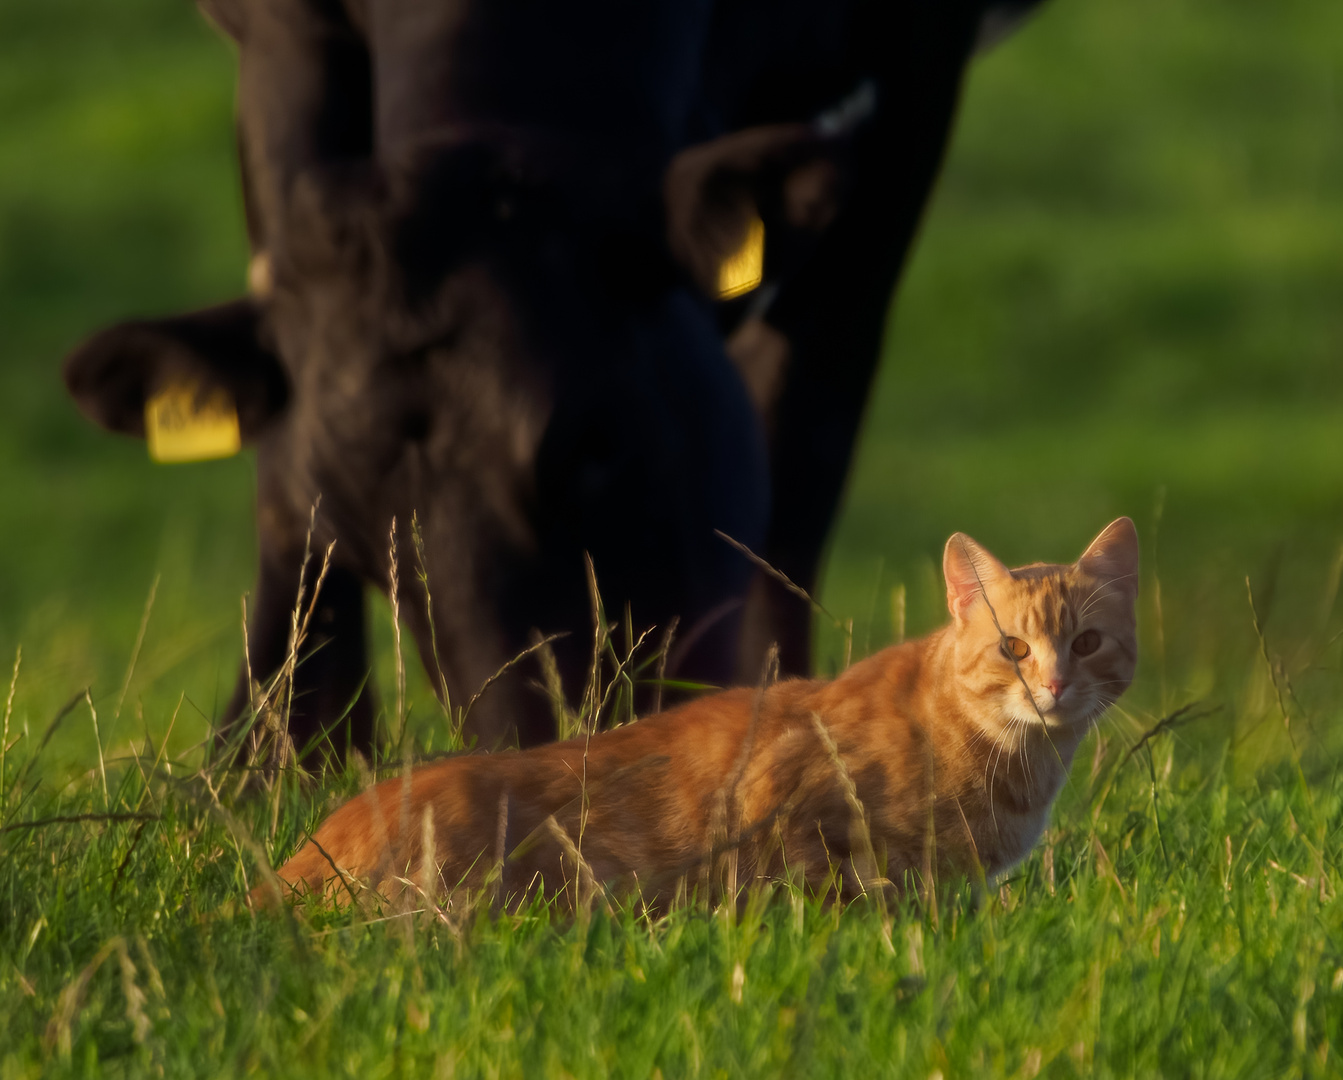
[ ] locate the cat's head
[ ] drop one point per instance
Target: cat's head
(1045, 644)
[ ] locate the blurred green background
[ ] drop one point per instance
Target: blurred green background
(1127, 298)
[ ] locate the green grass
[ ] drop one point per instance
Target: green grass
(1181, 918)
(1126, 299)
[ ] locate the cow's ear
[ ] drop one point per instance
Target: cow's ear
(115, 372)
(787, 177)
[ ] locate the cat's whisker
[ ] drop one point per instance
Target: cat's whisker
(977, 736)
(999, 744)
(1087, 608)
(1104, 589)
(1085, 614)
(1099, 597)
(1101, 589)
(1103, 703)
(988, 783)
(1024, 745)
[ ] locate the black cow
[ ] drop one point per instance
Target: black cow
(486, 242)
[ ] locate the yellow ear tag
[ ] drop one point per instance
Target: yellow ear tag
(744, 269)
(179, 426)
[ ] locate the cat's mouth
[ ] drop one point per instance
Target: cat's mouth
(1057, 714)
(1072, 715)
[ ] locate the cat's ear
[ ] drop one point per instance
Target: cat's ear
(968, 569)
(1113, 555)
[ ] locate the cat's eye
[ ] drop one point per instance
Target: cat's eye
(1015, 649)
(1086, 643)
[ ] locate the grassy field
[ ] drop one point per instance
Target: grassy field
(1126, 299)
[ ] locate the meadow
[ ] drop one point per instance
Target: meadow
(1126, 299)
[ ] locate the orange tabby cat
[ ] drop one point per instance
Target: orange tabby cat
(942, 754)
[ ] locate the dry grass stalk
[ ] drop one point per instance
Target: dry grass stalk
(500, 853)
(403, 823)
(58, 1035)
(98, 738)
(367, 780)
(432, 906)
(345, 879)
(620, 678)
(426, 884)
(590, 710)
(9, 710)
(422, 572)
(567, 721)
(299, 635)
(266, 734)
(1276, 676)
(394, 595)
(283, 751)
(64, 711)
(726, 822)
(869, 877)
(794, 588)
(586, 886)
(664, 650)
(135, 997)
(247, 660)
(163, 746)
(151, 969)
(928, 883)
(241, 837)
(596, 697)
(899, 603)
(282, 685)
(538, 646)
(139, 759)
(135, 650)
(589, 717)
(70, 819)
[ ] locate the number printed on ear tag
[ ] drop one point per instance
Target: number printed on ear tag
(183, 425)
(744, 269)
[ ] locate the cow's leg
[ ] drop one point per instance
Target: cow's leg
(330, 695)
(453, 615)
(830, 317)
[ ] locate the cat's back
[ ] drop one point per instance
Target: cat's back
(667, 761)
(894, 686)
(874, 714)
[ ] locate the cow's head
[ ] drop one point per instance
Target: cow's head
(502, 348)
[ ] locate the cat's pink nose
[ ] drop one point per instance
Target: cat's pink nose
(1056, 687)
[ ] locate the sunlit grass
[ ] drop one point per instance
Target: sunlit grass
(1181, 917)
(1125, 299)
